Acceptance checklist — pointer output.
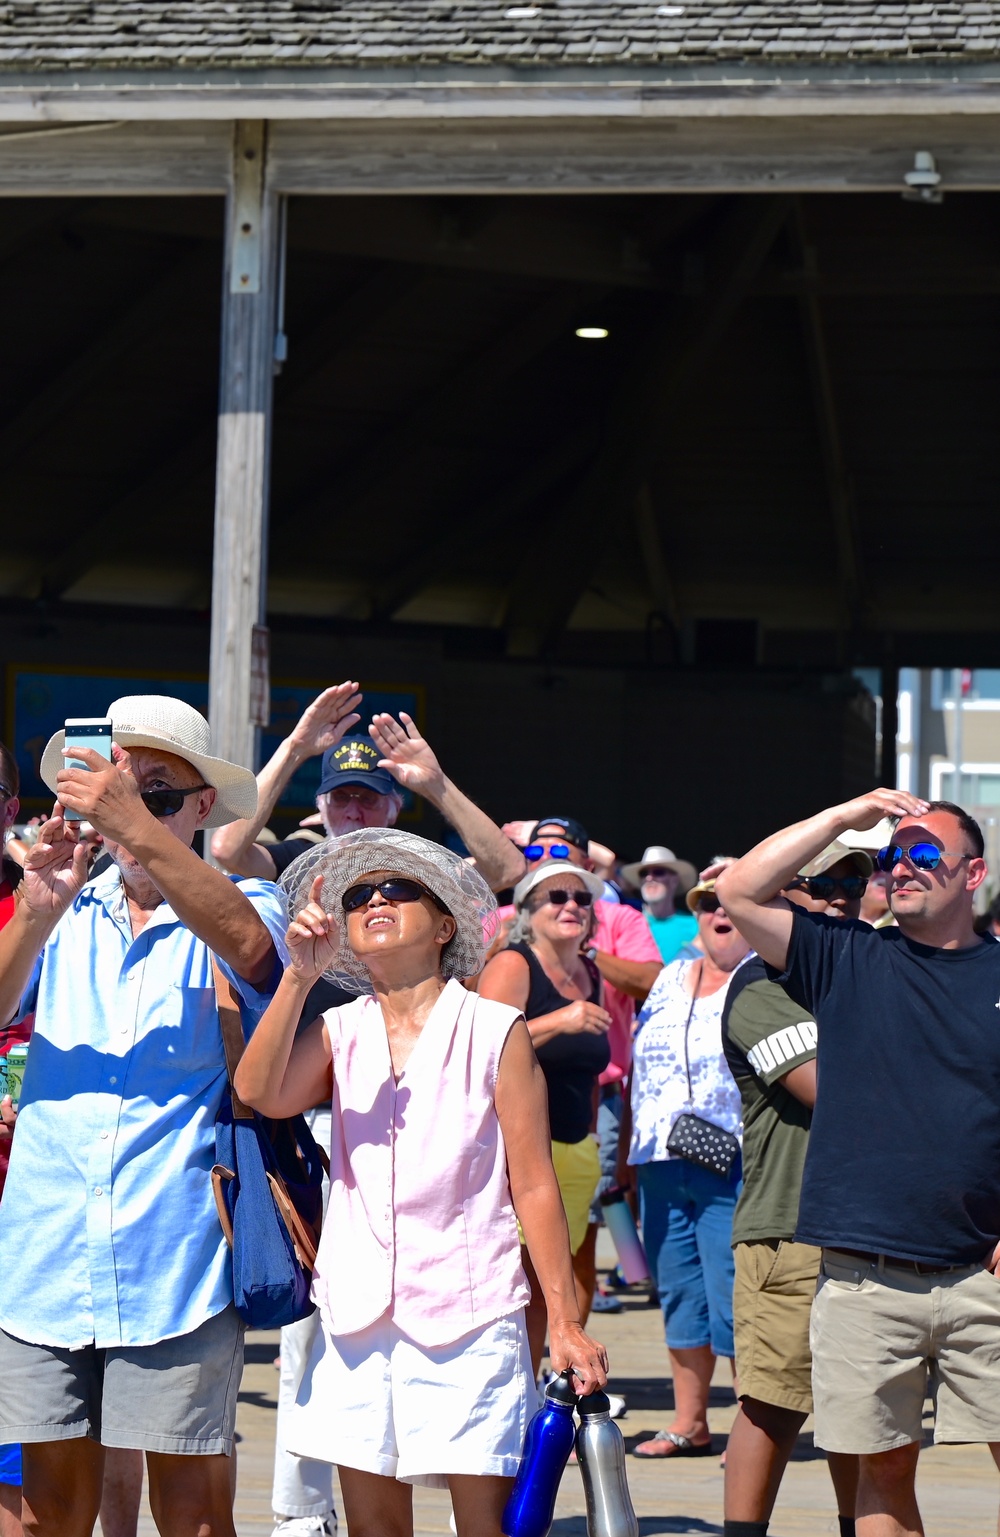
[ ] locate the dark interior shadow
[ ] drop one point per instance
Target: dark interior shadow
(260, 1353)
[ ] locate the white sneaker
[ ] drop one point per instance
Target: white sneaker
(618, 1405)
(307, 1526)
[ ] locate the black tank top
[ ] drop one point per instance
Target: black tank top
(571, 1063)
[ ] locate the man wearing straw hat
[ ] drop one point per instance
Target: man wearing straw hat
(116, 1321)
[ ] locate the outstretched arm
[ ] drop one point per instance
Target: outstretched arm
(55, 869)
(281, 1074)
(522, 1107)
(413, 764)
(750, 889)
(205, 901)
(321, 727)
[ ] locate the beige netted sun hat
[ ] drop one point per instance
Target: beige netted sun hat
(343, 862)
(155, 720)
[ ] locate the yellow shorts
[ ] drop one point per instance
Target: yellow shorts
(578, 1169)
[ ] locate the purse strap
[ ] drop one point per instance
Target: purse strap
(232, 1034)
(687, 1027)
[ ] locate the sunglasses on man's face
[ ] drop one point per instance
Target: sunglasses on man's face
(708, 904)
(398, 888)
(825, 887)
(167, 803)
(922, 856)
(536, 851)
(558, 897)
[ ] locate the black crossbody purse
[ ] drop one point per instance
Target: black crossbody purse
(692, 1136)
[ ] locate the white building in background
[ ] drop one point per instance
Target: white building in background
(948, 744)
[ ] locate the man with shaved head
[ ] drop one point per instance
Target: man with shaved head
(901, 1188)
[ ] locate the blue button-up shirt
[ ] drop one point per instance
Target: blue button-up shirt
(108, 1225)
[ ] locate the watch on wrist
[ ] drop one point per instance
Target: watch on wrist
(591, 952)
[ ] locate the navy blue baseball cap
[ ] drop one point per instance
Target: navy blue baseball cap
(355, 761)
(573, 831)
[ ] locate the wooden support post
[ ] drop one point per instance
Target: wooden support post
(239, 587)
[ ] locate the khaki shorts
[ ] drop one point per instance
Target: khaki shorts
(772, 1299)
(883, 1337)
(177, 1396)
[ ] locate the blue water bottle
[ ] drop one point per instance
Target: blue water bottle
(547, 1445)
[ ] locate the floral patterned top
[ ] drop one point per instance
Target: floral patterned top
(659, 1080)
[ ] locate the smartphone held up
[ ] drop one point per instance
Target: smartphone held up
(95, 734)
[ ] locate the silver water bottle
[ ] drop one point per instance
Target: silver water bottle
(601, 1450)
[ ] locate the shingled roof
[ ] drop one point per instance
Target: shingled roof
(364, 34)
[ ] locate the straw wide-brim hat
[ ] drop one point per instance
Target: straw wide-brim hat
(154, 720)
(658, 856)
(550, 867)
(343, 862)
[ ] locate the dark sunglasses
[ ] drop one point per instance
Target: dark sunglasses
(708, 904)
(398, 888)
(824, 887)
(167, 803)
(922, 856)
(536, 851)
(559, 898)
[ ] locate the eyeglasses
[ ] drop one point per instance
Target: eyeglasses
(558, 897)
(824, 887)
(536, 851)
(167, 803)
(708, 904)
(657, 873)
(922, 856)
(369, 799)
(397, 888)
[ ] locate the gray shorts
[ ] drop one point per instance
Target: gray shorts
(177, 1396)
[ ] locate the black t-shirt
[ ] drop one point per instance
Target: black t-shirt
(288, 849)
(904, 1154)
(571, 1063)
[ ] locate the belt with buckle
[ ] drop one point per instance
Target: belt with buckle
(891, 1262)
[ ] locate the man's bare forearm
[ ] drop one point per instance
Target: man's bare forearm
(230, 843)
(632, 977)
(762, 873)
(206, 902)
(21, 943)
(498, 861)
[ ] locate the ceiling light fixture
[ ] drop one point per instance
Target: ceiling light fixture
(592, 333)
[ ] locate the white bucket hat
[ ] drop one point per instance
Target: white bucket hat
(549, 867)
(155, 720)
(343, 862)
(658, 855)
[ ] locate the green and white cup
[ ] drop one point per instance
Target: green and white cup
(17, 1058)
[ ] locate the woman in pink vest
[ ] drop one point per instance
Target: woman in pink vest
(421, 1372)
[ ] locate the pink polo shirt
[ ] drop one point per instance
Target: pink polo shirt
(420, 1222)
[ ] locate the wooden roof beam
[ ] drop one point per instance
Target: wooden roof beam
(839, 485)
(384, 467)
(189, 451)
(465, 530)
(676, 349)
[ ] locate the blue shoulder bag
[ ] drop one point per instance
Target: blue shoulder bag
(268, 1185)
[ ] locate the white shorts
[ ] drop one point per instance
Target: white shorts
(378, 1402)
